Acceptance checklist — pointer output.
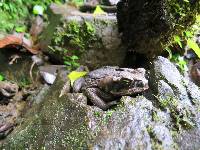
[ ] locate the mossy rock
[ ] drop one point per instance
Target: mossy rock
(55, 123)
(93, 39)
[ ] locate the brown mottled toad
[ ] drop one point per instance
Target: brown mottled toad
(103, 86)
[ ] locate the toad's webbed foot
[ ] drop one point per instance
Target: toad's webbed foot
(93, 95)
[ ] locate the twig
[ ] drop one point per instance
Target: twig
(31, 71)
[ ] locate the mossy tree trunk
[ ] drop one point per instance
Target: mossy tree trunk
(148, 25)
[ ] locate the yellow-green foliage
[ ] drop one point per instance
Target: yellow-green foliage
(13, 13)
(182, 15)
(99, 11)
(74, 75)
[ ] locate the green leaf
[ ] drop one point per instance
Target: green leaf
(187, 1)
(182, 64)
(38, 10)
(20, 29)
(89, 27)
(1, 77)
(99, 11)
(177, 39)
(67, 63)
(194, 46)
(74, 75)
(74, 57)
(169, 52)
(188, 34)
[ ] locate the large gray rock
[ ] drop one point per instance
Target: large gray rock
(166, 80)
(165, 72)
(179, 96)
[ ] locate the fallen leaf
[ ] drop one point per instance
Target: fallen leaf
(74, 75)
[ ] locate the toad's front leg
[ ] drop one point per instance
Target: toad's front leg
(92, 94)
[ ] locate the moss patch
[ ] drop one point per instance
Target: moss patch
(182, 116)
(56, 123)
(73, 39)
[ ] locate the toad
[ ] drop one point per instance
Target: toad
(104, 85)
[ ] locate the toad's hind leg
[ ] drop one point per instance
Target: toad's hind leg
(91, 93)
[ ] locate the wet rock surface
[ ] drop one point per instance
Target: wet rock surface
(168, 120)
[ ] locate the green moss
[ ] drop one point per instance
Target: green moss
(75, 36)
(182, 14)
(155, 116)
(181, 115)
(56, 123)
(156, 144)
(72, 39)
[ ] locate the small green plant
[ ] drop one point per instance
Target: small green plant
(180, 62)
(24, 82)
(1, 77)
(80, 36)
(179, 42)
(71, 62)
(97, 114)
(71, 40)
(194, 46)
(187, 37)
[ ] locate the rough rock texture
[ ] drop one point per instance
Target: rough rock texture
(95, 39)
(53, 123)
(169, 82)
(184, 100)
(148, 25)
(167, 121)
(164, 70)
